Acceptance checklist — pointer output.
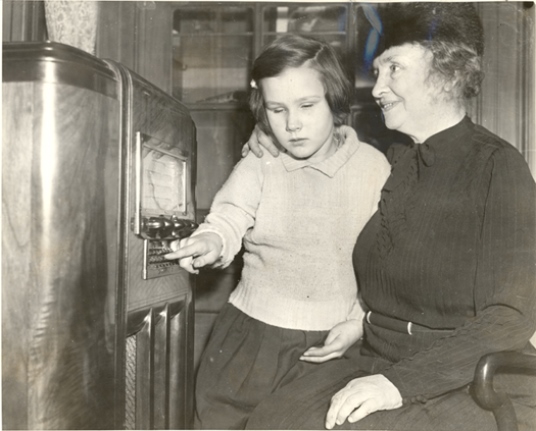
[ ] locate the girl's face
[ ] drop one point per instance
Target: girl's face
(411, 100)
(299, 114)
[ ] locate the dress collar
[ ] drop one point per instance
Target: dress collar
(454, 132)
(445, 142)
(329, 166)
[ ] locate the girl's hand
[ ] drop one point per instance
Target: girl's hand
(361, 397)
(338, 341)
(196, 252)
(257, 139)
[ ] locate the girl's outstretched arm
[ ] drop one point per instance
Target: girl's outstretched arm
(197, 251)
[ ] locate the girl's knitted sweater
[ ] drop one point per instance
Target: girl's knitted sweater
(298, 222)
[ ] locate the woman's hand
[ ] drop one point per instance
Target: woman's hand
(257, 139)
(361, 397)
(338, 341)
(196, 252)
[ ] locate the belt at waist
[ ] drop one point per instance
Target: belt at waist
(401, 325)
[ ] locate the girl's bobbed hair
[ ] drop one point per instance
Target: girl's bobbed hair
(292, 50)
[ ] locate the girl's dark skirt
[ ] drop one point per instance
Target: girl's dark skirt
(245, 361)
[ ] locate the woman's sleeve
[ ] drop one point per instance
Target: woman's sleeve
(234, 207)
(505, 294)
(380, 171)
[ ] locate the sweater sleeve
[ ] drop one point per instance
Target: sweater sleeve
(356, 313)
(505, 294)
(234, 207)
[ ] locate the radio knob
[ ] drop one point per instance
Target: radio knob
(177, 223)
(154, 223)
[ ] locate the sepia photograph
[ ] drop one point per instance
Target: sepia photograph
(268, 215)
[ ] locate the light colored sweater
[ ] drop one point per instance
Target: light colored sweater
(299, 222)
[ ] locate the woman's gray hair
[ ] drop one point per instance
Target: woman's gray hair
(453, 33)
(459, 64)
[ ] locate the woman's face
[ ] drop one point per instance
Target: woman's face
(298, 113)
(410, 98)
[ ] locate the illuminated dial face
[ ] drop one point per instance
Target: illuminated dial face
(164, 181)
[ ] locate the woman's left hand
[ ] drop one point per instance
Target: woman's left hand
(338, 341)
(256, 141)
(361, 397)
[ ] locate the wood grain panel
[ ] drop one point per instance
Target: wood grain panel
(17, 132)
(54, 185)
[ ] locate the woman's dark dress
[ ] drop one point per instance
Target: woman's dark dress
(452, 246)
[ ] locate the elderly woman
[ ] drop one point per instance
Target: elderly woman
(446, 266)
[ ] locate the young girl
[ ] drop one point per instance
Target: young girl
(297, 216)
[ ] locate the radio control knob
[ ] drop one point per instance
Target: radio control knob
(154, 223)
(177, 223)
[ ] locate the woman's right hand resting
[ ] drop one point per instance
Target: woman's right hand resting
(362, 397)
(196, 252)
(257, 139)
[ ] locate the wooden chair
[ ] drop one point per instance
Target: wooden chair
(499, 403)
